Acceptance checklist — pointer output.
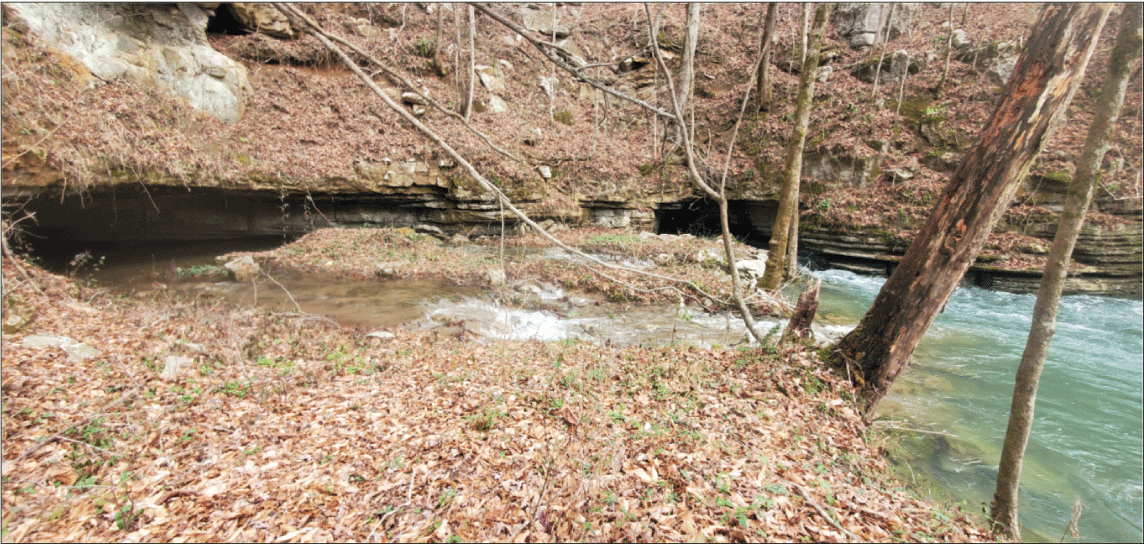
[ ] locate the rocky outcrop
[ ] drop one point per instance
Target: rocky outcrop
(152, 44)
(998, 59)
(863, 24)
(264, 19)
(540, 18)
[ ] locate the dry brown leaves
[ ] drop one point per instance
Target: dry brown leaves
(286, 428)
(309, 121)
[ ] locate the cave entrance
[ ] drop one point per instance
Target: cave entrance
(225, 22)
(750, 220)
(130, 224)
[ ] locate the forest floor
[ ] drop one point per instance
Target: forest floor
(290, 427)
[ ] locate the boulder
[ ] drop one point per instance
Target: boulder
(76, 351)
(497, 104)
(959, 40)
(363, 28)
(264, 19)
(163, 45)
(431, 230)
(752, 267)
(496, 277)
(998, 59)
(540, 19)
(862, 24)
(173, 365)
(18, 314)
(410, 97)
(491, 78)
(243, 269)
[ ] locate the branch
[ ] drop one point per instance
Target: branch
(296, 19)
(405, 82)
(719, 197)
(822, 513)
(549, 50)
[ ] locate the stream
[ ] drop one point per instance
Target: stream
(1087, 436)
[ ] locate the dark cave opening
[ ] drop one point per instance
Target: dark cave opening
(749, 220)
(225, 22)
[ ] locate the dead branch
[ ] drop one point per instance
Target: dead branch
(696, 177)
(550, 51)
(307, 24)
(397, 77)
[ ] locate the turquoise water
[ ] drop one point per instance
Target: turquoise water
(1087, 435)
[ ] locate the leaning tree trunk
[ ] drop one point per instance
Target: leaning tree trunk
(788, 203)
(1043, 82)
(1128, 45)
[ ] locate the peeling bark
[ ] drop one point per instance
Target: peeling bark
(1043, 83)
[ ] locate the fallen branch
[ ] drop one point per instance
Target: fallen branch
(299, 20)
(549, 50)
(126, 397)
(15, 262)
(396, 76)
(821, 512)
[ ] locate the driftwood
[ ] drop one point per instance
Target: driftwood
(803, 316)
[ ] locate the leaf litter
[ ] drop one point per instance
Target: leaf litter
(283, 427)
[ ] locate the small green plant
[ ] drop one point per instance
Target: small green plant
(486, 419)
(235, 388)
(447, 497)
(126, 516)
(201, 271)
(824, 204)
(563, 116)
(425, 47)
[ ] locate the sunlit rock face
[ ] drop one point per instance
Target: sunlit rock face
(153, 44)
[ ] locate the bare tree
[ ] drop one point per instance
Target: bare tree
(686, 79)
(785, 227)
(763, 77)
(882, 55)
(471, 72)
(302, 21)
(948, 50)
(1043, 82)
(1128, 44)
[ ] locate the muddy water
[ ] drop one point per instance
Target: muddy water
(524, 311)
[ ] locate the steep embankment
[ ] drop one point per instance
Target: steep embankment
(311, 139)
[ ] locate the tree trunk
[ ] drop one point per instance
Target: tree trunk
(803, 315)
(788, 204)
(1043, 82)
(1128, 44)
(882, 56)
(948, 51)
(463, 78)
(684, 82)
(764, 77)
(472, 67)
(805, 32)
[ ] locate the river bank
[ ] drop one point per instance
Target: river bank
(282, 425)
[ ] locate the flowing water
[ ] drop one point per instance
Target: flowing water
(1086, 441)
